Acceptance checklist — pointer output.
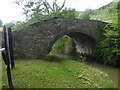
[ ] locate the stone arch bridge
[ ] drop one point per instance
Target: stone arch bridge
(35, 41)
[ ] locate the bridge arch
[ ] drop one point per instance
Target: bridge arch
(36, 40)
(80, 42)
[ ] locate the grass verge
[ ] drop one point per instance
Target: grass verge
(56, 74)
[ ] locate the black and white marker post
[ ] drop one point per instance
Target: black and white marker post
(7, 53)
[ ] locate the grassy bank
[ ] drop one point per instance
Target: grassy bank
(56, 74)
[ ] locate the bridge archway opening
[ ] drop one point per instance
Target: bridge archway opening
(73, 43)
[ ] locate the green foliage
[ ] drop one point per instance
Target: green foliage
(41, 7)
(106, 13)
(67, 13)
(63, 45)
(86, 14)
(118, 11)
(58, 46)
(109, 47)
(69, 46)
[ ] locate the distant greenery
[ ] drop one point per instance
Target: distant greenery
(56, 74)
(64, 45)
(58, 46)
(105, 13)
(86, 14)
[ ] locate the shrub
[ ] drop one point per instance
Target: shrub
(109, 47)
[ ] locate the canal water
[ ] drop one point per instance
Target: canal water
(112, 72)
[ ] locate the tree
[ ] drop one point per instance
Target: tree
(41, 7)
(86, 14)
(39, 10)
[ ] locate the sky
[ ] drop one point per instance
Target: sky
(10, 12)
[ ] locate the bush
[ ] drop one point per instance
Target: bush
(67, 13)
(109, 47)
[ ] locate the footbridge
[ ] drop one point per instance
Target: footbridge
(35, 41)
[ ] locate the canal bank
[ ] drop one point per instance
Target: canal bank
(112, 72)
